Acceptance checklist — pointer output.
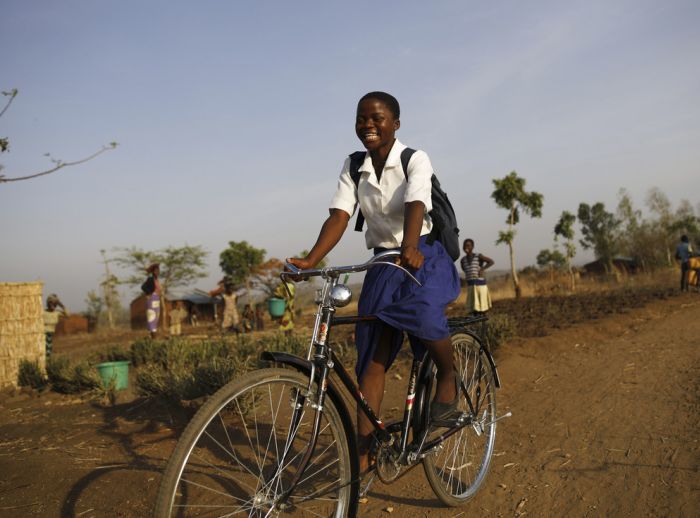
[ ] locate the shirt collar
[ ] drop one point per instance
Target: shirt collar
(393, 160)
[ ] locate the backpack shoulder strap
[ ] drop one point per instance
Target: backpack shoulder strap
(406, 155)
(356, 160)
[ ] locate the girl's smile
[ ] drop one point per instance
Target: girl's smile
(376, 125)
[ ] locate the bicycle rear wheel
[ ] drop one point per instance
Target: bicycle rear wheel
(240, 451)
(460, 464)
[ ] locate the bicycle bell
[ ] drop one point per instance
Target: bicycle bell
(340, 295)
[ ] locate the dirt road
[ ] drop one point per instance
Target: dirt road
(605, 423)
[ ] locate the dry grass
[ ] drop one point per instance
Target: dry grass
(542, 284)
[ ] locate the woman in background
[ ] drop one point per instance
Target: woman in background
(152, 290)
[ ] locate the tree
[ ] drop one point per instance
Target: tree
(599, 228)
(551, 260)
(109, 291)
(178, 267)
(267, 276)
(57, 163)
(685, 222)
(240, 262)
(565, 229)
(94, 305)
(510, 194)
(658, 203)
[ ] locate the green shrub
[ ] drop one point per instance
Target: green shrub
(71, 379)
(30, 375)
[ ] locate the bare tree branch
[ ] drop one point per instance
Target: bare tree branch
(11, 94)
(60, 165)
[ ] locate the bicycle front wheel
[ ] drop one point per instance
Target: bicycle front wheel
(460, 464)
(241, 450)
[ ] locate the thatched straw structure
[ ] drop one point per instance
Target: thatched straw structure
(21, 328)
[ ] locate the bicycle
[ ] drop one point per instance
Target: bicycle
(280, 441)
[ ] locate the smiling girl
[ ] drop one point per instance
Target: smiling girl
(395, 206)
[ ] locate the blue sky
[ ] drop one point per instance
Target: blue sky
(233, 118)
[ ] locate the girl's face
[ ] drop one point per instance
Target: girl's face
(375, 125)
(468, 247)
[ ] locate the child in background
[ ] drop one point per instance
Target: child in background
(231, 319)
(474, 265)
(177, 315)
(259, 316)
(248, 318)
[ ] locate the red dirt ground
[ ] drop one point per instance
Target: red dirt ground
(605, 423)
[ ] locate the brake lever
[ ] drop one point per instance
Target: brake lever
(383, 263)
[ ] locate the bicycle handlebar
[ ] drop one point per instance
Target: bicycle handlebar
(336, 271)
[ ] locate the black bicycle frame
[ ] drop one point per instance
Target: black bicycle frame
(420, 380)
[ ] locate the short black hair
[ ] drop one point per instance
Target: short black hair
(387, 99)
(684, 238)
(468, 240)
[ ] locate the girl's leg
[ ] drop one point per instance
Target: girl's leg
(372, 387)
(440, 352)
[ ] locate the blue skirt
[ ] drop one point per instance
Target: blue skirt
(401, 304)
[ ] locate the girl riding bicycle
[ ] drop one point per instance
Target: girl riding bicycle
(396, 208)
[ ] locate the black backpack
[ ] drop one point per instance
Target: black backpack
(443, 215)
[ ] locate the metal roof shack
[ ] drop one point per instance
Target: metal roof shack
(201, 308)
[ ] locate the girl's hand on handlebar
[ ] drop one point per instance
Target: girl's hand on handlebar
(302, 264)
(411, 257)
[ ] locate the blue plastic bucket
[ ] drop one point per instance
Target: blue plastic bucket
(116, 373)
(276, 307)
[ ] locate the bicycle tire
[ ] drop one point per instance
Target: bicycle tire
(227, 460)
(448, 468)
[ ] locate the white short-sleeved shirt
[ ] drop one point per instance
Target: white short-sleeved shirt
(383, 202)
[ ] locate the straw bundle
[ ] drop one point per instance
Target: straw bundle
(21, 328)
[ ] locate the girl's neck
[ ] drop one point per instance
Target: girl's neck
(382, 153)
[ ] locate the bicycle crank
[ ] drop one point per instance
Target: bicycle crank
(388, 466)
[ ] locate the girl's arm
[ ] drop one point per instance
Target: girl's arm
(331, 232)
(411, 257)
(486, 263)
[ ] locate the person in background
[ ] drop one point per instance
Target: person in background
(51, 317)
(248, 318)
(683, 253)
(177, 315)
(152, 290)
(259, 316)
(231, 319)
(288, 294)
(474, 265)
(194, 316)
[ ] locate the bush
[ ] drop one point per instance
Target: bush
(30, 375)
(179, 369)
(501, 328)
(68, 379)
(115, 354)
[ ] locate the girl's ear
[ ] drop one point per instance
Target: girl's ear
(397, 124)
